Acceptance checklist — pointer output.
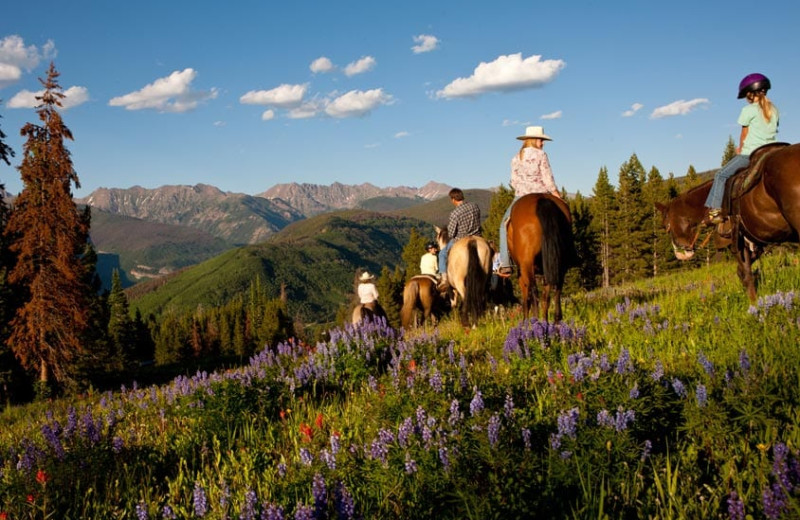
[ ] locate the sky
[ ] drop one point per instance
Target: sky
(244, 95)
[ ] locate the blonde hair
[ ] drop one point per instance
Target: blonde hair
(764, 104)
(529, 143)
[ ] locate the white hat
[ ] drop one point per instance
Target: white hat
(366, 276)
(535, 132)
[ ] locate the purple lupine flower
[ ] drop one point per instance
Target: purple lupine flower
(780, 468)
(455, 414)
(305, 457)
(658, 371)
(526, 438)
(735, 507)
(445, 458)
(708, 366)
(508, 408)
(345, 505)
(623, 419)
(52, 439)
(141, 511)
(565, 454)
(405, 431)
(379, 451)
(678, 386)
(328, 458)
(372, 383)
(646, 450)
(493, 430)
(624, 363)
(117, 444)
(410, 465)
(744, 362)
(568, 422)
(303, 512)
(604, 418)
(476, 405)
(555, 441)
(435, 381)
(281, 469)
(167, 513)
(272, 512)
(199, 500)
(634, 393)
(335, 446)
(774, 501)
(702, 395)
(421, 416)
(249, 506)
(320, 493)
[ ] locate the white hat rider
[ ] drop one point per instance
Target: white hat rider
(535, 132)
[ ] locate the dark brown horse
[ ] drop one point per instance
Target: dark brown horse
(764, 209)
(421, 293)
(469, 263)
(540, 241)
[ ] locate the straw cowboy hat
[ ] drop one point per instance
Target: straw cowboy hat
(365, 276)
(535, 132)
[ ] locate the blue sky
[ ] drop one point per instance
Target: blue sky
(245, 95)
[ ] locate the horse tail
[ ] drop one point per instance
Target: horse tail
(558, 243)
(410, 295)
(475, 281)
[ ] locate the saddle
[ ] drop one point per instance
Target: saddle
(746, 178)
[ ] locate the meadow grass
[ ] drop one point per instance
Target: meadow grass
(672, 397)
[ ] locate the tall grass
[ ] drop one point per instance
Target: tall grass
(668, 398)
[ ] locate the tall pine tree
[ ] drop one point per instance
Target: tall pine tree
(6, 294)
(630, 234)
(729, 152)
(49, 234)
(498, 204)
(603, 207)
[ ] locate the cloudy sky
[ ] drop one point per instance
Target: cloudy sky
(244, 95)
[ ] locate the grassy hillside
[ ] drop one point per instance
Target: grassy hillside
(151, 246)
(668, 398)
(315, 258)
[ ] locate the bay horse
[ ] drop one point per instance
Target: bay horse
(764, 209)
(421, 293)
(540, 241)
(469, 263)
(368, 312)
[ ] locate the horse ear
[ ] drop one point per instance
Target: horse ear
(661, 207)
(437, 229)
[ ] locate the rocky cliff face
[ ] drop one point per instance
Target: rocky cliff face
(234, 217)
(312, 199)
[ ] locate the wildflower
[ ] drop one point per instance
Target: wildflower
(410, 465)
(455, 414)
(624, 364)
(566, 454)
(249, 506)
(117, 444)
(319, 421)
(305, 457)
(404, 431)
(199, 500)
(281, 469)
(493, 430)
(701, 395)
(435, 382)
(345, 506)
(677, 385)
(708, 366)
(476, 405)
(568, 422)
(604, 418)
(42, 477)
(623, 419)
(320, 494)
(306, 432)
(303, 512)
(526, 438)
(646, 449)
(735, 507)
(658, 372)
(335, 446)
(141, 511)
(443, 456)
(508, 407)
(634, 393)
(774, 501)
(272, 512)
(744, 361)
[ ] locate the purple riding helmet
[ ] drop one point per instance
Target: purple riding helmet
(753, 83)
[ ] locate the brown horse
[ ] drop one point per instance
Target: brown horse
(368, 312)
(540, 241)
(764, 211)
(421, 293)
(469, 263)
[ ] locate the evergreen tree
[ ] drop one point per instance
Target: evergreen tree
(120, 328)
(390, 287)
(692, 179)
(590, 269)
(49, 235)
(655, 190)
(729, 152)
(498, 204)
(603, 207)
(412, 253)
(630, 236)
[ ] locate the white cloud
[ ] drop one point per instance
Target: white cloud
(283, 96)
(506, 73)
(678, 108)
(16, 57)
(631, 111)
(552, 115)
(304, 111)
(268, 115)
(363, 65)
(401, 134)
(73, 97)
(425, 43)
(170, 94)
(220, 123)
(357, 103)
(511, 122)
(321, 65)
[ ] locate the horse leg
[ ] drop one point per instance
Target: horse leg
(545, 301)
(534, 290)
(557, 304)
(744, 269)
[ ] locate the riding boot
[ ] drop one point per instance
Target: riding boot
(443, 284)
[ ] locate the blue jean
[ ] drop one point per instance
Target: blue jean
(505, 261)
(714, 199)
(443, 257)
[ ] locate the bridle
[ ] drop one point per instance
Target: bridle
(690, 249)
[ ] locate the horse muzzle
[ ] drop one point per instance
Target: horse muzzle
(682, 253)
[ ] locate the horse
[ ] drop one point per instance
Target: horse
(764, 210)
(469, 263)
(540, 241)
(368, 312)
(421, 293)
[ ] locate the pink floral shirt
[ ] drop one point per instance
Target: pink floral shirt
(532, 174)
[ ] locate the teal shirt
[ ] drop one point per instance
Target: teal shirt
(760, 131)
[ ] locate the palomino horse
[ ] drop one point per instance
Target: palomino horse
(368, 312)
(421, 293)
(766, 211)
(469, 263)
(540, 241)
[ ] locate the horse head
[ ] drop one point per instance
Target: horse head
(681, 218)
(442, 237)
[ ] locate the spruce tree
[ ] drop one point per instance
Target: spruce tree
(49, 234)
(6, 294)
(692, 179)
(590, 269)
(630, 230)
(730, 151)
(412, 253)
(603, 207)
(120, 326)
(500, 201)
